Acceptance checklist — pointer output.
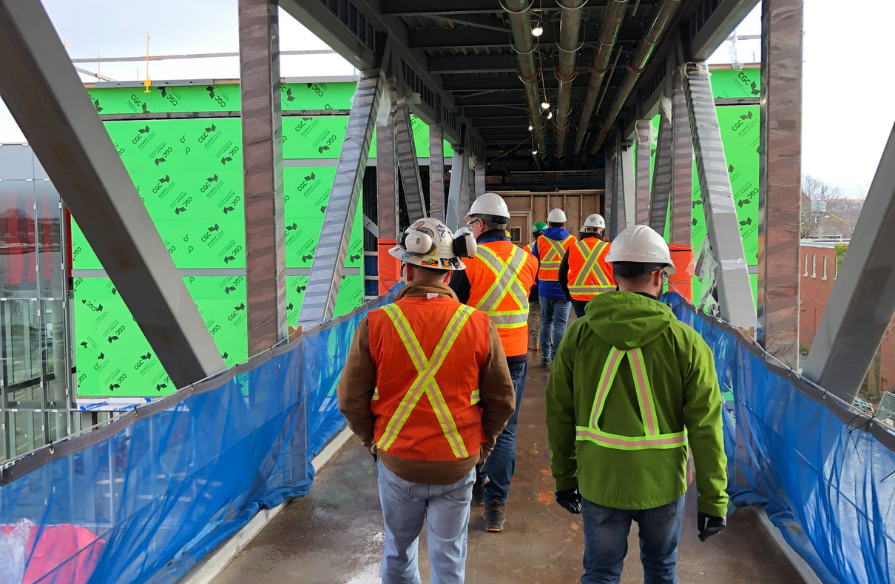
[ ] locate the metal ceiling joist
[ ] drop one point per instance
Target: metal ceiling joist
(472, 38)
(732, 278)
(712, 24)
(862, 303)
(471, 64)
(48, 101)
(332, 247)
(502, 122)
(392, 52)
(435, 8)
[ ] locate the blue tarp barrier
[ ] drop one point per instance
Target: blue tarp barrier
(824, 472)
(144, 498)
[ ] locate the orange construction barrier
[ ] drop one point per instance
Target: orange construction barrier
(682, 280)
(389, 267)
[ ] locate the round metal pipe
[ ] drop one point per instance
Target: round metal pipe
(645, 50)
(613, 16)
(566, 70)
(520, 24)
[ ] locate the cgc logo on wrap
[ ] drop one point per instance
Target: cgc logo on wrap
(232, 254)
(171, 95)
(219, 96)
(294, 233)
(135, 104)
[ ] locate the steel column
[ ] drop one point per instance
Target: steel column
(643, 130)
(609, 194)
(682, 165)
(329, 259)
(862, 303)
(628, 187)
(387, 202)
(658, 214)
(407, 162)
(480, 187)
(734, 288)
(780, 174)
(48, 101)
(262, 150)
(436, 172)
(458, 176)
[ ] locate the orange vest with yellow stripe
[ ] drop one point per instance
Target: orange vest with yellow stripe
(550, 253)
(589, 274)
(500, 276)
(428, 353)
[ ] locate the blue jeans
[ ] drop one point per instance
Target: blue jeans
(501, 463)
(606, 542)
(554, 316)
(444, 508)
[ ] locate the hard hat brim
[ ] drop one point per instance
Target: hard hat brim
(417, 260)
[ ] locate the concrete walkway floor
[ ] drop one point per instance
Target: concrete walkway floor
(334, 535)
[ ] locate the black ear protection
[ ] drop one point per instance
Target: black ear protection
(464, 243)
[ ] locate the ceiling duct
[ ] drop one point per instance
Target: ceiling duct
(520, 23)
(566, 70)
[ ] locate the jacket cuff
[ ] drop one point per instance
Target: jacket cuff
(713, 509)
(565, 484)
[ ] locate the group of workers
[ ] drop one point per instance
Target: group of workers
(433, 387)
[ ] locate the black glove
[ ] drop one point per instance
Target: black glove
(375, 453)
(570, 500)
(709, 525)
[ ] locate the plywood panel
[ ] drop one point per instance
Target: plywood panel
(520, 204)
(540, 210)
(573, 213)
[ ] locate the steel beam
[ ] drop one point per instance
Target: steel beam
(435, 8)
(315, 16)
(682, 165)
(387, 200)
(262, 150)
(644, 129)
(862, 303)
(472, 38)
(436, 172)
(609, 195)
(480, 187)
(407, 162)
(780, 174)
(627, 186)
(658, 213)
(47, 99)
(712, 24)
(459, 176)
(734, 288)
(329, 259)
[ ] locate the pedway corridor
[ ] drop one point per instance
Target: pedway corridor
(334, 535)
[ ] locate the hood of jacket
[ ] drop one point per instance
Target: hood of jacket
(556, 233)
(626, 320)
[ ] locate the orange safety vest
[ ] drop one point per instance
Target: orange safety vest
(550, 253)
(589, 274)
(500, 276)
(529, 247)
(428, 354)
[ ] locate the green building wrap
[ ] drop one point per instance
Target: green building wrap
(188, 173)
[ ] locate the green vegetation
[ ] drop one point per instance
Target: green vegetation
(840, 253)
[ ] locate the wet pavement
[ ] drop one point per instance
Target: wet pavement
(334, 535)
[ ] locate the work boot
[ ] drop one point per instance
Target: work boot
(545, 362)
(494, 517)
(478, 492)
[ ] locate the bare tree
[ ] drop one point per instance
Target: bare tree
(816, 196)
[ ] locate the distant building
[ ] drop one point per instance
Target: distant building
(819, 272)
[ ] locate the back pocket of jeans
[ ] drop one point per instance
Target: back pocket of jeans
(394, 486)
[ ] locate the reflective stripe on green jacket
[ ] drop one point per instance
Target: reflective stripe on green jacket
(684, 387)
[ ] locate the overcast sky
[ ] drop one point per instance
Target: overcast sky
(847, 97)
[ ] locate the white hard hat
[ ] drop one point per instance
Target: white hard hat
(556, 216)
(430, 244)
(594, 222)
(489, 204)
(640, 244)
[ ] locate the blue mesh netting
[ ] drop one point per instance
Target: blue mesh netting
(824, 472)
(143, 499)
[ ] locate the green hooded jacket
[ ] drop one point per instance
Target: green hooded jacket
(681, 372)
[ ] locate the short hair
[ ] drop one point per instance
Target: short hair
(493, 221)
(556, 225)
(634, 272)
(438, 271)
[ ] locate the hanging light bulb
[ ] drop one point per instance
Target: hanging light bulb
(534, 151)
(545, 105)
(537, 30)
(530, 127)
(549, 115)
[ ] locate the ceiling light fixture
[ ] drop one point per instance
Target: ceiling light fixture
(549, 115)
(545, 105)
(537, 30)
(530, 127)
(534, 151)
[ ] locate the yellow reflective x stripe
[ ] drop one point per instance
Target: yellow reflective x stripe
(591, 267)
(425, 379)
(506, 282)
(375, 394)
(558, 251)
(476, 397)
(651, 438)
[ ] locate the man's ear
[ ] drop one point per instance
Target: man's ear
(657, 278)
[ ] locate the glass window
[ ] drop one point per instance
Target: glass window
(806, 264)
(813, 266)
(825, 267)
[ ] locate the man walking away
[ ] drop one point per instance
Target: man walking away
(584, 272)
(632, 388)
(427, 390)
(497, 281)
(534, 305)
(549, 248)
